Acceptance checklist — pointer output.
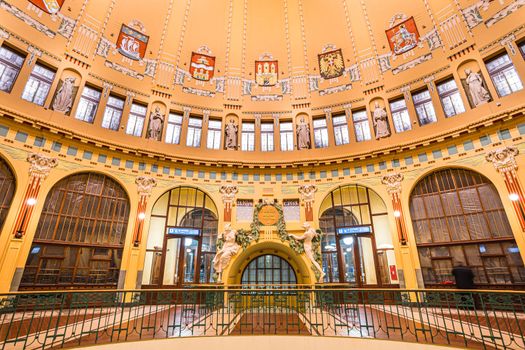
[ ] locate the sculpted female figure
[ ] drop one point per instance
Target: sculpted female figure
(64, 96)
(478, 93)
(228, 250)
(303, 135)
(156, 121)
(307, 237)
(380, 122)
(231, 135)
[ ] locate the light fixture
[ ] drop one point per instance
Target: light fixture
(348, 240)
(397, 213)
(188, 242)
(31, 201)
(141, 216)
(514, 197)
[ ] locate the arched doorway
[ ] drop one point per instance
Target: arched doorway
(80, 235)
(354, 222)
(458, 217)
(181, 239)
(268, 269)
(7, 188)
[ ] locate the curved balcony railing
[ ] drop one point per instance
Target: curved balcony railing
(473, 319)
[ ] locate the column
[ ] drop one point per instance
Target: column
(351, 130)
(129, 274)
(504, 160)
(185, 121)
(407, 268)
(307, 193)
(40, 167)
(204, 133)
(393, 186)
(228, 198)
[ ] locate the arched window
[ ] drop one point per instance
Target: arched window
(7, 188)
(268, 269)
(357, 243)
(181, 239)
(80, 235)
(458, 217)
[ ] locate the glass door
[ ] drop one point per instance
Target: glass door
(358, 260)
(349, 269)
(171, 262)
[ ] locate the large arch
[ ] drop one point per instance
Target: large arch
(7, 188)
(181, 238)
(357, 245)
(80, 235)
(458, 218)
(240, 262)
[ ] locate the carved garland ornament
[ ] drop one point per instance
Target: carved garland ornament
(393, 183)
(41, 165)
(228, 193)
(145, 185)
(504, 159)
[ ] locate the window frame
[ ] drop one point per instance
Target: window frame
(399, 114)
(115, 110)
(42, 81)
(321, 132)
(12, 66)
(448, 95)
(424, 103)
(500, 72)
(267, 137)
(175, 127)
(360, 123)
(214, 134)
(194, 135)
(340, 129)
(247, 136)
(136, 116)
(90, 101)
(288, 136)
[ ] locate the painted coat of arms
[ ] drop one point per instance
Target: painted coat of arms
(403, 37)
(266, 71)
(331, 64)
(132, 43)
(50, 6)
(202, 66)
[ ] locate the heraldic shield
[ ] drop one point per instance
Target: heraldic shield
(331, 64)
(266, 73)
(132, 43)
(50, 6)
(403, 37)
(202, 66)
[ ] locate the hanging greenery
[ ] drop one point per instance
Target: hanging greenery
(246, 237)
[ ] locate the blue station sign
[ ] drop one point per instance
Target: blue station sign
(183, 231)
(354, 230)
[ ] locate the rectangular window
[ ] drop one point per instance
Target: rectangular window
(340, 130)
(248, 137)
(291, 210)
(214, 134)
(174, 128)
(136, 118)
(504, 75)
(400, 115)
(244, 210)
(424, 107)
(113, 113)
(450, 98)
(10, 65)
(267, 137)
(522, 48)
(286, 133)
(361, 126)
(38, 85)
(320, 133)
(87, 107)
(194, 132)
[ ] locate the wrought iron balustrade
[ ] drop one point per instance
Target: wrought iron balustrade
(473, 319)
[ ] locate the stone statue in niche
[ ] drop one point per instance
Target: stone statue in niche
(307, 237)
(478, 94)
(64, 97)
(156, 122)
(303, 135)
(380, 120)
(230, 130)
(228, 250)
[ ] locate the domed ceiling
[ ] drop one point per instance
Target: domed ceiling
(244, 51)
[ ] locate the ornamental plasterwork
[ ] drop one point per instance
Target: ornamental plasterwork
(104, 45)
(228, 193)
(21, 15)
(412, 63)
(393, 183)
(504, 159)
(67, 26)
(335, 89)
(145, 185)
(384, 62)
(41, 165)
(307, 193)
(198, 92)
(505, 12)
(124, 70)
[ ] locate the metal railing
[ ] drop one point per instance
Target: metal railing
(473, 319)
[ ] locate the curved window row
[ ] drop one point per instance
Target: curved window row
(358, 124)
